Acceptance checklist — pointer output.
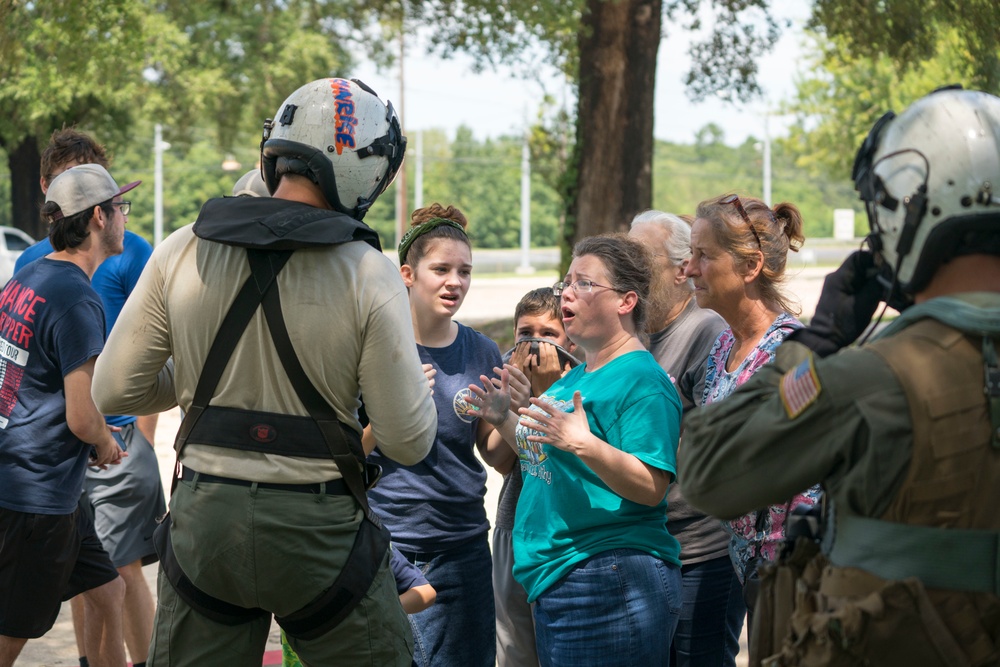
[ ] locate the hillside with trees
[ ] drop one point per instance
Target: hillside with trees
(481, 176)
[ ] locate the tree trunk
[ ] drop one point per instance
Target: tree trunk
(618, 44)
(25, 162)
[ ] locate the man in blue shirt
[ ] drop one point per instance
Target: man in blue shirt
(127, 500)
(51, 331)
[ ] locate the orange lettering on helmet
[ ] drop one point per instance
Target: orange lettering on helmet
(344, 119)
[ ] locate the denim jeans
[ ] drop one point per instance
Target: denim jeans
(618, 608)
(708, 633)
(459, 629)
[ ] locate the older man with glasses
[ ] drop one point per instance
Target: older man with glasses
(681, 335)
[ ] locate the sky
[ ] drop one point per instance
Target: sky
(446, 93)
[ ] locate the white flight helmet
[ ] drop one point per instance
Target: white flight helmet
(340, 135)
(928, 178)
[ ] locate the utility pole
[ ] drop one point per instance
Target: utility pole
(401, 211)
(158, 147)
(418, 180)
(525, 266)
(767, 158)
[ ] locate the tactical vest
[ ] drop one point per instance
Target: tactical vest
(954, 477)
(917, 586)
(271, 231)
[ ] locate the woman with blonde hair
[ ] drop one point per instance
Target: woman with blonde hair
(739, 248)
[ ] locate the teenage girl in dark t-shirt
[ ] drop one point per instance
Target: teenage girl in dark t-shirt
(435, 509)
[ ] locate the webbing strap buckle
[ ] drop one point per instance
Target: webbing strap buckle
(991, 386)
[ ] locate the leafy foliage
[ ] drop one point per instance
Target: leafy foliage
(67, 61)
(907, 32)
(839, 102)
(480, 177)
(724, 63)
(232, 62)
(684, 175)
(483, 179)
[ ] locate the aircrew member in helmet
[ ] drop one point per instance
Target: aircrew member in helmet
(279, 313)
(903, 432)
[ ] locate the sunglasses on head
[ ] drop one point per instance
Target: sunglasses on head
(735, 201)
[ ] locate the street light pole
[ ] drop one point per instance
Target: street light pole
(525, 266)
(418, 180)
(401, 213)
(767, 158)
(158, 147)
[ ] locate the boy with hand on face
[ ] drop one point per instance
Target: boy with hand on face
(543, 352)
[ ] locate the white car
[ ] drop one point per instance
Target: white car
(12, 243)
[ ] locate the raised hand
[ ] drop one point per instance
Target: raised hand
(569, 431)
(492, 401)
(520, 386)
(546, 369)
(522, 355)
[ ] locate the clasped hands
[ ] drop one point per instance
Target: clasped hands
(496, 399)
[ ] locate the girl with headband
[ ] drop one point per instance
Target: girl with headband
(435, 509)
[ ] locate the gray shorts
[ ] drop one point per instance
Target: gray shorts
(127, 500)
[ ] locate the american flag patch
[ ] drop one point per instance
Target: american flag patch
(800, 388)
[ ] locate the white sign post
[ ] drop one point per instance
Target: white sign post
(843, 224)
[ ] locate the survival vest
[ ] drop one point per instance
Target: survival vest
(920, 584)
(271, 230)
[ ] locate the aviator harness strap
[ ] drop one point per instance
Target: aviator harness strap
(328, 609)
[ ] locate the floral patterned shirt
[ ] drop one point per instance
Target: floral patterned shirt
(759, 533)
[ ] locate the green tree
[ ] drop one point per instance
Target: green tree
(235, 61)
(837, 104)
(63, 62)
(709, 140)
(101, 64)
(907, 32)
(608, 48)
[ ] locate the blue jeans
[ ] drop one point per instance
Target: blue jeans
(459, 629)
(618, 608)
(708, 633)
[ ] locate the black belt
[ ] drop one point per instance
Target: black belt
(333, 487)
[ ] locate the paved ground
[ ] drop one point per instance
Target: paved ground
(489, 299)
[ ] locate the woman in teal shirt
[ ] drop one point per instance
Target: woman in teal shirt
(597, 452)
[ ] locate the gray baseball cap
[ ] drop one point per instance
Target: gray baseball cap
(81, 187)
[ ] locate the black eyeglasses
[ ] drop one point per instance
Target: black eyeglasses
(125, 206)
(735, 201)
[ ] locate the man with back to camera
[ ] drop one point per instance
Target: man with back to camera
(51, 331)
(681, 335)
(274, 309)
(125, 501)
(904, 432)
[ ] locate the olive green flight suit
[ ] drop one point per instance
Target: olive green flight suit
(898, 430)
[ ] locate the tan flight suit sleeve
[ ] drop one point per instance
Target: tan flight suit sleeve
(395, 390)
(746, 452)
(135, 374)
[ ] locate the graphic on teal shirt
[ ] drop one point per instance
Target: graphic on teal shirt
(532, 454)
